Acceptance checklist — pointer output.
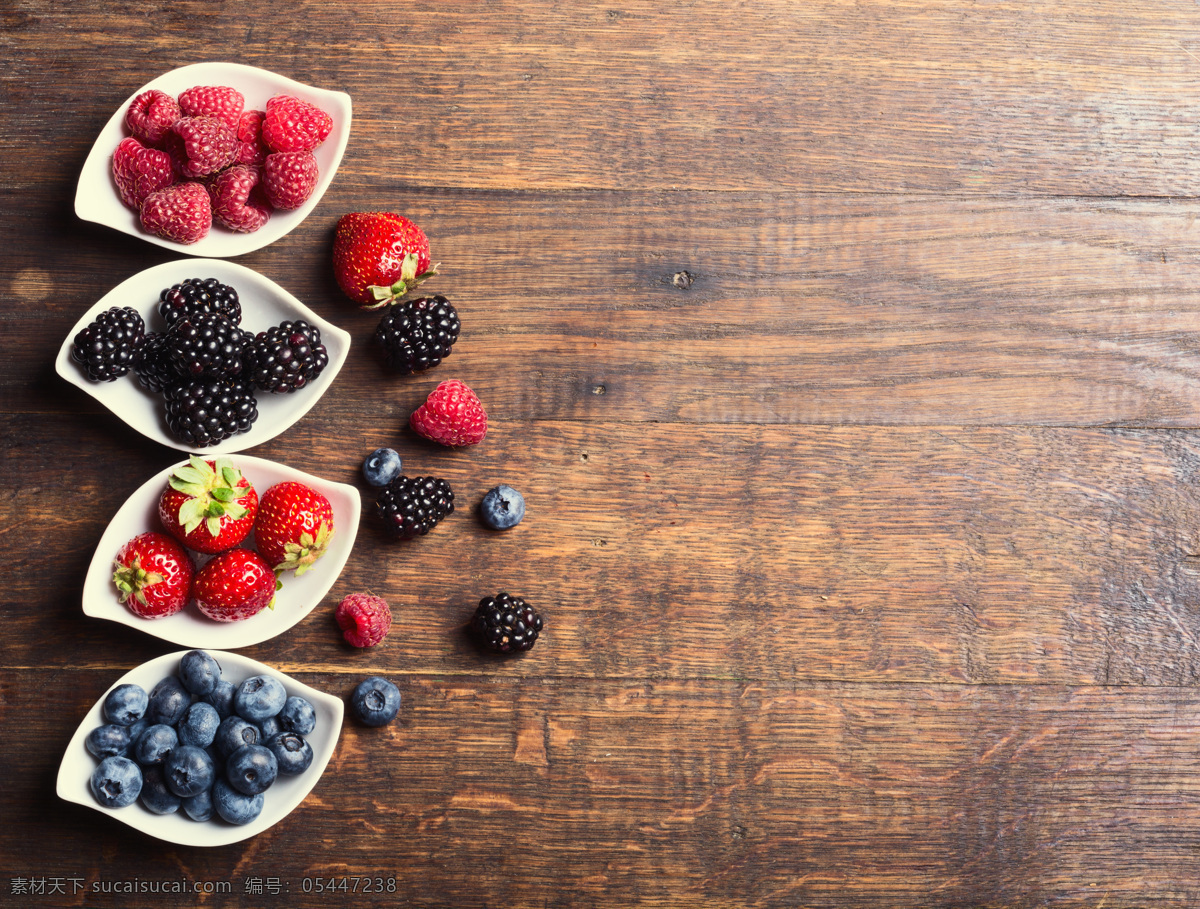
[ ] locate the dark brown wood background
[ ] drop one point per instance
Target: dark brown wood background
(848, 355)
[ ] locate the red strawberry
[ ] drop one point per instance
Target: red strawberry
(289, 178)
(181, 213)
(209, 506)
(378, 257)
(235, 585)
(151, 114)
(200, 146)
(235, 203)
(139, 171)
(219, 101)
(451, 415)
(293, 527)
(251, 148)
(154, 575)
(294, 125)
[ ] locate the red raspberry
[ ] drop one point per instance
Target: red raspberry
(181, 213)
(235, 202)
(289, 178)
(294, 125)
(451, 415)
(201, 146)
(364, 619)
(151, 114)
(139, 171)
(251, 148)
(219, 101)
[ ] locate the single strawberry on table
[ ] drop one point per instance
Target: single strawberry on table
(209, 506)
(293, 527)
(234, 586)
(153, 574)
(452, 415)
(378, 257)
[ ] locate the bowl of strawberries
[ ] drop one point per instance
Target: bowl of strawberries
(222, 551)
(215, 159)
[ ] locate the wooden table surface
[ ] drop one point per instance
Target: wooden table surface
(848, 357)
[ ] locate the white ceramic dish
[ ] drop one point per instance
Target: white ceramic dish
(264, 303)
(190, 628)
(74, 773)
(96, 198)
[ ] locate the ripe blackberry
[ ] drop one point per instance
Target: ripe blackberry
(153, 368)
(199, 295)
(206, 345)
(506, 624)
(286, 357)
(417, 334)
(111, 344)
(412, 506)
(208, 411)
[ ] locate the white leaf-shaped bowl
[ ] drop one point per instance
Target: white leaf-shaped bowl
(74, 773)
(264, 304)
(97, 199)
(295, 599)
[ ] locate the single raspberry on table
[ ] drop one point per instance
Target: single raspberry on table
(251, 148)
(181, 213)
(289, 178)
(213, 101)
(294, 125)
(200, 146)
(364, 619)
(139, 171)
(236, 203)
(151, 114)
(451, 415)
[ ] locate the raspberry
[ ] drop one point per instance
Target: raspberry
(251, 148)
(181, 213)
(151, 114)
(201, 146)
(139, 171)
(289, 178)
(364, 619)
(294, 125)
(451, 415)
(219, 101)
(235, 203)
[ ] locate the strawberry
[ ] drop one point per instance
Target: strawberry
(293, 527)
(139, 171)
(451, 415)
(151, 114)
(181, 213)
(209, 506)
(251, 148)
(235, 585)
(219, 101)
(378, 257)
(289, 178)
(235, 203)
(200, 146)
(154, 575)
(294, 125)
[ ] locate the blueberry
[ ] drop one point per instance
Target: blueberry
(269, 727)
(199, 807)
(232, 806)
(221, 697)
(502, 507)
(125, 704)
(189, 771)
(292, 752)
(375, 701)
(381, 467)
(156, 796)
(251, 769)
(298, 715)
(199, 671)
(259, 697)
(232, 734)
(168, 700)
(199, 725)
(155, 744)
(109, 740)
(116, 782)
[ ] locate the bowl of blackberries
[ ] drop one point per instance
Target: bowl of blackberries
(203, 355)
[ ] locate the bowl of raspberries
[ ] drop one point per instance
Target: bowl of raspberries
(215, 159)
(203, 355)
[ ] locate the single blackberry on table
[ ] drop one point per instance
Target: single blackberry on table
(416, 335)
(111, 344)
(153, 369)
(506, 624)
(206, 345)
(412, 506)
(209, 411)
(286, 357)
(199, 295)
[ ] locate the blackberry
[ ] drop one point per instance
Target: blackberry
(199, 295)
(417, 334)
(209, 411)
(153, 369)
(206, 345)
(111, 344)
(412, 506)
(286, 357)
(506, 624)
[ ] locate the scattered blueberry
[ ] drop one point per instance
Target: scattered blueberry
(298, 715)
(156, 795)
(232, 734)
(125, 704)
(189, 771)
(252, 769)
(502, 507)
(116, 782)
(292, 752)
(199, 671)
(232, 806)
(259, 697)
(199, 725)
(199, 807)
(375, 701)
(168, 700)
(155, 744)
(381, 467)
(221, 697)
(109, 740)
